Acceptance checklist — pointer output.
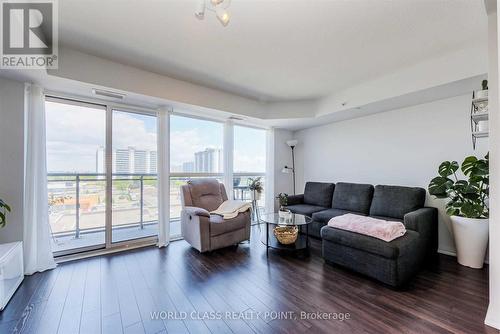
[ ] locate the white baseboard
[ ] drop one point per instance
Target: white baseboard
(447, 252)
(490, 318)
(453, 253)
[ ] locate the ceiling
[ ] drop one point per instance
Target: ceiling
(273, 50)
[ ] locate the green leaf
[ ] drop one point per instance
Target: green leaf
(470, 210)
(439, 186)
(481, 168)
(447, 168)
(453, 208)
(468, 165)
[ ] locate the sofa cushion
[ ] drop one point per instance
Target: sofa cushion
(220, 226)
(396, 201)
(305, 209)
(318, 193)
(353, 197)
(325, 215)
(401, 246)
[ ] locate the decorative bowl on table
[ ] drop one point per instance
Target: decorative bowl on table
(286, 235)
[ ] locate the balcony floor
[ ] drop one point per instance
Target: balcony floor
(64, 243)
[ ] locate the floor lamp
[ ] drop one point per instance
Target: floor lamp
(292, 143)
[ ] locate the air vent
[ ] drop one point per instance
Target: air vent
(107, 93)
(236, 118)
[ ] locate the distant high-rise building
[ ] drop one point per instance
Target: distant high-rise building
(123, 160)
(128, 161)
(188, 167)
(208, 161)
(152, 162)
(141, 162)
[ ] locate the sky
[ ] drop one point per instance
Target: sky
(74, 133)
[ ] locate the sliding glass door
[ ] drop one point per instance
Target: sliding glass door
(249, 164)
(102, 175)
(102, 170)
(135, 193)
(76, 187)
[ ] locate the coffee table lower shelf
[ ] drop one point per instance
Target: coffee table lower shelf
(270, 241)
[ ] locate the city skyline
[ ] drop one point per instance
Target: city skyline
(75, 133)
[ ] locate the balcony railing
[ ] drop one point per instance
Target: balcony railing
(74, 196)
(67, 192)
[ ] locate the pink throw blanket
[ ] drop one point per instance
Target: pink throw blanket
(373, 227)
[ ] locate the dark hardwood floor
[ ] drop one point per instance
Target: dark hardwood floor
(117, 294)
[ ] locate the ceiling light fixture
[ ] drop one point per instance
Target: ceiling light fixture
(222, 15)
(219, 7)
(200, 10)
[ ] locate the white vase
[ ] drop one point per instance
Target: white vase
(471, 240)
(255, 195)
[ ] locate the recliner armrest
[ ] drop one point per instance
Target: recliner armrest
(195, 211)
(295, 199)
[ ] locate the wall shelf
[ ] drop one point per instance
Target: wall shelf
(480, 116)
(480, 134)
(478, 113)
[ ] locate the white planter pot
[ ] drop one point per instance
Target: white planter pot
(481, 94)
(471, 240)
(255, 196)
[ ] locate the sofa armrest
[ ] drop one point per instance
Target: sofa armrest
(425, 222)
(195, 211)
(295, 199)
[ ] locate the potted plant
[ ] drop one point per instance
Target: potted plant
(467, 206)
(255, 186)
(283, 200)
(484, 91)
(4, 208)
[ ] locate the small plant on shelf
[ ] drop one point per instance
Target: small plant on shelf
(4, 208)
(484, 84)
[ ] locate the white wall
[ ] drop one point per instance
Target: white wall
(493, 315)
(12, 156)
(400, 147)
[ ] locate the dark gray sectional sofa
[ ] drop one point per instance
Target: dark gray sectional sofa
(394, 262)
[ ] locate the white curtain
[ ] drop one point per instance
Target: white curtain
(163, 178)
(270, 166)
(37, 239)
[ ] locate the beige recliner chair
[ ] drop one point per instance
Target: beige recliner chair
(207, 232)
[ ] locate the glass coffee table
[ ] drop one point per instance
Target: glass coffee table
(273, 220)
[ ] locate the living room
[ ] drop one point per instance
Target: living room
(237, 166)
